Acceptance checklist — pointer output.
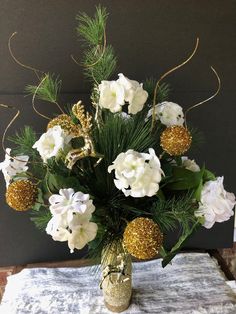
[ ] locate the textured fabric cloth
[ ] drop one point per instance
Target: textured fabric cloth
(192, 284)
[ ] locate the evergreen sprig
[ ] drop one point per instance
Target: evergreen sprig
(163, 90)
(92, 29)
(24, 140)
(99, 59)
(48, 89)
(175, 211)
(99, 65)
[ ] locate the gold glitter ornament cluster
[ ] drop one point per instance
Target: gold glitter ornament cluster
(176, 140)
(143, 238)
(84, 118)
(21, 195)
(66, 123)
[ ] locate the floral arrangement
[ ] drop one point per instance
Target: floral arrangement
(115, 171)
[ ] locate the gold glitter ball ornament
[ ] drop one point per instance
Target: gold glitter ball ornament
(21, 195)
(143, 238)
(176, 140)
(65, 122)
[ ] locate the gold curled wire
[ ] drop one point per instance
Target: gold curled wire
(166, 74)
(36, 71)
(5, 132)
(8, 126)
(205, 100)
(6, 129)
(33, 100)
(19, 62)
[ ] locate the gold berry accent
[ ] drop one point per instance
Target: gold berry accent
(176, 140)
(143, 238)
(66, 123)
(21, 195)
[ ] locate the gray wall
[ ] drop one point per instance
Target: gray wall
(149, 38)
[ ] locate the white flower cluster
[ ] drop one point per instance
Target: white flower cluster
(10, 167)
(137, 174)
(169, 113)
(114, 94)
(52, 142)
(71, 214)
(216, 205)
(190, 164)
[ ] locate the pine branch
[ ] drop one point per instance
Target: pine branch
(173, 212)
(176, 212)
(99, 60)
(24, 140)
(104, 64)
(48, 90)
(163, 91)
(92, 29)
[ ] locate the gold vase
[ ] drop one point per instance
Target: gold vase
(116, 280)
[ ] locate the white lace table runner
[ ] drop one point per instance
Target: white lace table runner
(193, 284)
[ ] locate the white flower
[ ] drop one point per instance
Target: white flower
(13, 166)
(216, 205)
(52, 142)
(81, 235)
(71, 213)
(169, 113)
(190, 164)
(77, 235)
(112, 96)
(137, 174)
(68, 200)
(135, 95)
(128, 85)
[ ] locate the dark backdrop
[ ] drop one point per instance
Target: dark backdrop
(149, 38)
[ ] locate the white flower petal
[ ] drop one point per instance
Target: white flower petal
(141, 172)
(52, 142)
(111, 96)
(70, 222)
(216, 205)
(169, 113)
(11, 167)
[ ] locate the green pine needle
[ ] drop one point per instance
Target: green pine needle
(173, 212)
(48, 90)
(92, 29)
(104, 64)
(162, 93)
(99, 60)
(24, 140)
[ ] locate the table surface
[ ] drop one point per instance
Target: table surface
(193, 281)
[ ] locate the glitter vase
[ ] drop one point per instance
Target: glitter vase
(116, 278)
